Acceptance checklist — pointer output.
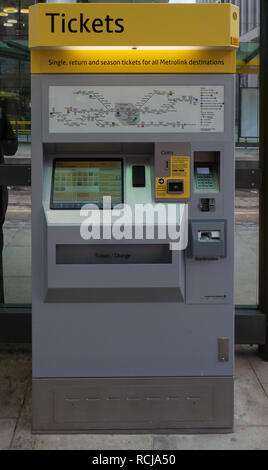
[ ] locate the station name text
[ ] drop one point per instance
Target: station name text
(60, 24)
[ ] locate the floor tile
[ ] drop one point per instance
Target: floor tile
(7, 427)
(15, 372)
(260, 368)
(23, 438)
(242, 366)
(251, 402)
(244, 438)
(93, 442)
(265, 386)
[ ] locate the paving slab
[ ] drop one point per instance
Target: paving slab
(7, 427)
(93, 442)
(265, 386)
(260, 368)
(241, 362)
(23, 438)
(257, 363)
(244, 438)
(251, 402)
(15, 372)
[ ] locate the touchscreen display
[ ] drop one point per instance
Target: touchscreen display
(79, 182)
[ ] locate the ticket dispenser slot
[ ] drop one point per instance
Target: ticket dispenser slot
(207, 239)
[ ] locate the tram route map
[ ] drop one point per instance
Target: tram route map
(133, 109)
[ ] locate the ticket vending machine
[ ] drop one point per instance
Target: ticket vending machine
(133, 331)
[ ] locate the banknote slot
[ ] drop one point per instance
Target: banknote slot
(206, 236)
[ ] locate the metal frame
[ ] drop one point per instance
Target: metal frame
(263, 242)
(250, 326)
(247, 177)
(15, 174)
(15, 324)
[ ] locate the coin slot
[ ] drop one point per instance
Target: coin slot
(175, 187)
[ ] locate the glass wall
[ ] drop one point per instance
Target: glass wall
(15, 66)
(247, 152)
(15, 101)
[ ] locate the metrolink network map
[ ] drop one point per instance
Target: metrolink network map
(136, 109)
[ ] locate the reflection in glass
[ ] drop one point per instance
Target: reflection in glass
(17, 247)
(246, 247)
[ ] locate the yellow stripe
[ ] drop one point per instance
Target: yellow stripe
(247, 213)
(236, 213)
(19, 210)
(134, 61)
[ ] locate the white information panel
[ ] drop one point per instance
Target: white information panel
(136, 109)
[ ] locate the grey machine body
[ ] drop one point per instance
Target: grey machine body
(143, 342)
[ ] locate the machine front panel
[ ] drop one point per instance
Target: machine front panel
(133, 242)
(141, 282)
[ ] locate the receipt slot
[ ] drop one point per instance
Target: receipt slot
(132, 315)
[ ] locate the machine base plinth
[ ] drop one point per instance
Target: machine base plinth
(133, 405)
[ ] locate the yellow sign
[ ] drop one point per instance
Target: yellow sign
(54, 25)
(179, 173)
(64, 62)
